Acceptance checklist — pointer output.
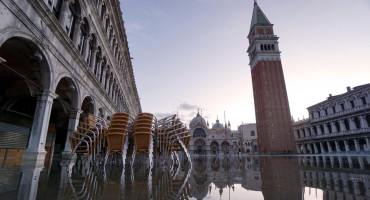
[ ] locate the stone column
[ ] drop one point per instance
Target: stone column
(93, 59)
(30, 179)
(322, 148)
(40, 125)
(367, 144)
(312, 131)
(77, 31)
(346, 145)
(349, 158)
(329, 147)
(342, 126)
(64, 13)
(363, 122)
(104, 77)
(315, 147)
(304, 149)
(352, 125)
(337, 147)
(86, 47)
(307, 133)
(74, 117)
(340, 159)
(326, 129)
(333, 127)
(357, 145)
(318, 130)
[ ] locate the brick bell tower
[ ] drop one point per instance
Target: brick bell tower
(274, 125)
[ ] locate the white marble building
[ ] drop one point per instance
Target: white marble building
(60, 59)
(220, 140)
(339, 124)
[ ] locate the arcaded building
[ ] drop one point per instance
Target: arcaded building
(59, 60)
(273, 118)
(221, 140)
(339, 124)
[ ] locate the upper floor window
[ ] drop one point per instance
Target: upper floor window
(352, 103)
(55, 5)
(342, 106)
(253, 133)
(333, 109)
(83, 35)
(363, 100)
(103, 11)
(72, 14)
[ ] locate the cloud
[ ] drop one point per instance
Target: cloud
(186, 106)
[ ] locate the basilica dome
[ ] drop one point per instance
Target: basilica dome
(218, 125)
(198, 120)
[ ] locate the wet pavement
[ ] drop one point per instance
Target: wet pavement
(222, 177)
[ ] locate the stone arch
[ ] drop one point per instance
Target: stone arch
(199, 133)
(199, 145)
(214, 147)
(48, 71)
(72, 82)
(88, 105)
(25, 79)
(362, 144)
(225, 147)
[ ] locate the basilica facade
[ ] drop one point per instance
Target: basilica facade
(60, 59)
(220, 139)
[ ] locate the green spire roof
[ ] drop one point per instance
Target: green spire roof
(258, 17)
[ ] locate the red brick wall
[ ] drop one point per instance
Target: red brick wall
(268, 76)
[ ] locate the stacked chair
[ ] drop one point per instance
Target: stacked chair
(116, 137)
(88, 137)
(173, 135)
(143, 135)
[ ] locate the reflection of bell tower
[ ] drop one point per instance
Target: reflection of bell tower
(280, 178)
(273, 119)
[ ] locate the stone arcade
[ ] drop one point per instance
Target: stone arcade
(60, 59)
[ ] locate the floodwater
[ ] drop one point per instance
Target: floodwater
(223, 177)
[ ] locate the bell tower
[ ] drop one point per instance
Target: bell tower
(274, 125)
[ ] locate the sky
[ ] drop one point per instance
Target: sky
(190, 54)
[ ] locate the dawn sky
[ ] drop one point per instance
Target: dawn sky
(191, 54)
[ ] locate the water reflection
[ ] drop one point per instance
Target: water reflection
(279, 177)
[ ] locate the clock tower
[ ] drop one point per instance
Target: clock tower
(274, 125)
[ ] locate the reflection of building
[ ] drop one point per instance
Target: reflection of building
(219, 139)
(270, 95)
(224, 173)
(340, 177)
(59, 59)
(339, 124)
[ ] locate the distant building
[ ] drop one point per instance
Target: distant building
(220, 140)
(273, 118)
(338, 124)
(249, 132)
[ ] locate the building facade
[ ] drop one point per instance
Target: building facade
(59, 60)
(339, 124)
(273, 118)
(220, 140)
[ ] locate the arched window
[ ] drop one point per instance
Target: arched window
(253, 133)
(262, 47)
(54, 6)
(272, 47)
(357, 122)
(269, 47)
(199, 132)
(346, 123)
(74, 11)
(83, 35)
